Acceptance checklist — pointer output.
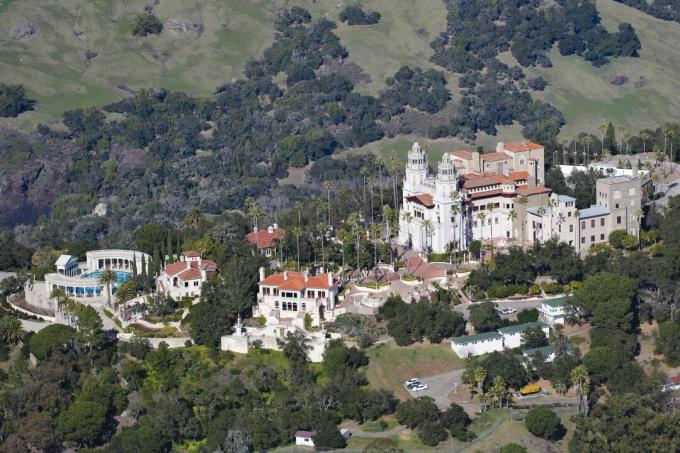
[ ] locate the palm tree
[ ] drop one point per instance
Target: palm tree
(455, 209)
(327, 185)
(363, 171)
(622, 132)
(11, 330)
(321, 228)
(408, 217)
(394, 171)
(666, 131)
(479, 375)
(107, 279)
(512, 217)
(379, 163)
(581, 380)
(560, 388)
(564, 142)
(297, 232)
(254, 210)
(193, 219)
(371, 183)
(523, 200)
(59, 294)
(492, 209)
(356, 230)
(498, 389)
(602, 127)
(481, 217)
(298, 207)
(428, 233)
(644, 136)
(587, 140)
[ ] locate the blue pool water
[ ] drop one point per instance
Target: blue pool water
(122, 276)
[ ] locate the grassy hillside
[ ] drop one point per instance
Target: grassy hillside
(53, 66)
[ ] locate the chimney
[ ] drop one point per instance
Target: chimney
(500, 146)
(188, 264)
(261, 273)
(255, 229)
(330, 279)
(276, 226)
(306, 274)
(285, 275)
(270, 230)
(321, 269)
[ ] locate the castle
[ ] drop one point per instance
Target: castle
(473, 196)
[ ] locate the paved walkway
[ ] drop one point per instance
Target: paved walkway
(34, 326)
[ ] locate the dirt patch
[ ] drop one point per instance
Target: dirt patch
(647, 357)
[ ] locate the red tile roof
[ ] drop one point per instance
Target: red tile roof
(481, 181)
(263, 239)
(521, 146)
(190, 274)
(179, 268)
(305, 434)
(192, 254)
(532, 190)
(423, 199)
(492, 157)
(296, 281)
(467, 155)
(518, 175)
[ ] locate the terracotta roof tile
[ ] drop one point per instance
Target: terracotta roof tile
(422, 199)
(296, 281)
(192, 254)
(263, 239)
(467, 155)
(190, 274)
(492, 157)
(482, 181)
(521, 146)
(532, 190)
(518, 175)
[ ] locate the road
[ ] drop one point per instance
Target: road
(34, 326)
(516, 304)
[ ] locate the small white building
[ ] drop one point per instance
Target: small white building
(558, 220)
(481, 343)
(185, 278)
(304, 438)
(554, 311)
(289, 296)
(67, 265)
(512, 335)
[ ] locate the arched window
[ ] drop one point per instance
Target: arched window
(276, 304)
(294, 306)
(284, 306)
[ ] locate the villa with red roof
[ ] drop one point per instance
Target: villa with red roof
(473, 196)
(287, 297)
(185, 278)
(265, 240)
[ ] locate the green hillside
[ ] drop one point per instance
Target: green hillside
(53, 66)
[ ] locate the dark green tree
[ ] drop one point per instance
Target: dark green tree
(542, 422)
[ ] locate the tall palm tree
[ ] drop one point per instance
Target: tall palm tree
(328, 185)
(321, 229)
(622, 132)
(499, 389)
(666, 131)
(602, 127)
(491, 209)
(193, 219)
(297, 232)
(356, 230)
(587, 140)
(428, 234)
(107, 279)
(581, 381)
(512, 217)
(11, 330)
(523, 200)
(371, 183)
(59, 294)
(479, 375)
(644, 136)
(379, 163)
(298, 207)
(408, 217)
(481, 217)
(455, 210)
(394, 171)
(254, 210)
(363, 171)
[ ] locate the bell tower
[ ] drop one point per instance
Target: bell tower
(416, 170)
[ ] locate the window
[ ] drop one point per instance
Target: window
(569, 214)
(571, 243)
(602, 237)
(571, 228)
(304, 306)
(631, 191)
(186, 284)
(583, 240)
(602, 222)
(617, 195)
(616, 206)
(592, 223)
(592, 238)
(276, 304)
(284, 306)
(475, 224)
(496, 220)
(583, 225)
(618, 220)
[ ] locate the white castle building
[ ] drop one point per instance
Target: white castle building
(472, 196)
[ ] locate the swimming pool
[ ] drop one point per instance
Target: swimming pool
(122, 276)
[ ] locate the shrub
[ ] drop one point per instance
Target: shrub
(553, 288)
(431, 433)
(13, 100)
(534, 290)
(513, 448)
(542, 422)
(49, 338)
(354, 15)
(147, 24)
(616, 238)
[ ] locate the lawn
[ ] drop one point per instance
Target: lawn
(391, 365)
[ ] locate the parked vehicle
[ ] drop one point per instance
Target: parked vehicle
(420, 387)
(530, 389)
(508, 311)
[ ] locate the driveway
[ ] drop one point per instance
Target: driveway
(516, 304)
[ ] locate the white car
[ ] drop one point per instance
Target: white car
(413, 381)
(508, 311)
(419, 387)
